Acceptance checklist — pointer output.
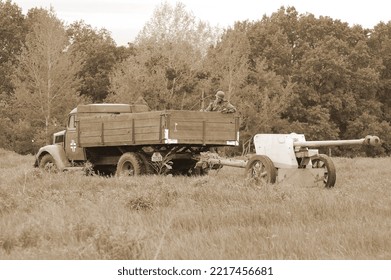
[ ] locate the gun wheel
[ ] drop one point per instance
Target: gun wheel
(261, 169)
(325, 162)
(129, 164)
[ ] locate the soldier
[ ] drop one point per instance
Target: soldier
(221, 104)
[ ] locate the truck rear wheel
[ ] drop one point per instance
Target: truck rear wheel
(48, 164)
(261, 168)
(129, 164)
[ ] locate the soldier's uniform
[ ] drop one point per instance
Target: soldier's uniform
(220, 104)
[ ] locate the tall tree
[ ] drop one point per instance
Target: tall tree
(263, 100)
(260, 95)
(140, 75)
(45, 81)
(12, 33)
(229, 61)
(335, 77)
(101, 55)
(380, 47)
(336, 71)
(274, 39)
(170, 51)
(171, 24)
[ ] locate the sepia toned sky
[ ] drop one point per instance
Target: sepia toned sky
(125, 18)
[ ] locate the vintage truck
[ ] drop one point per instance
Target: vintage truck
(126, 139)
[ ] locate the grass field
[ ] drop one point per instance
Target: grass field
(220, 216)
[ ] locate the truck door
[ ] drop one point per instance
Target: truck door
(72, 147)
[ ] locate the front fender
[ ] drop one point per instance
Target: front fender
(58, 154)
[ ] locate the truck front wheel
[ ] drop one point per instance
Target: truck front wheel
(129, 164)
(48, 164)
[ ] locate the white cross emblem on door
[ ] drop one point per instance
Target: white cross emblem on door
(73, 145)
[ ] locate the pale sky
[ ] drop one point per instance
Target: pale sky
(125, 18)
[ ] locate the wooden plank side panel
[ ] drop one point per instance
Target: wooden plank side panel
(89, 126)
(194, 115)
(124, 139)
(199, 138)
(201, 118)
(114, 125)
(196, 142)
(118, 117)
(187, 127)
(147, 129)
(94, 142)
(119, 121)
(125, 129)
(184, 126)
(212, 132)
(202, 127)
(119, 131)
(198, 114)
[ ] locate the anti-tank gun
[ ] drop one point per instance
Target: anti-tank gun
(289, 158)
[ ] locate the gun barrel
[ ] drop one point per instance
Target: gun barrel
(368, 140)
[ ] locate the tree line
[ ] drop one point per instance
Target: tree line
(287, 72)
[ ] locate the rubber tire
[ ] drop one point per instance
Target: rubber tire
(48, 164)
(267, 165)
(330, 175)
(129, 164)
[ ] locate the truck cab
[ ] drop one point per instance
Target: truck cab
(72, 148)
(63, 152)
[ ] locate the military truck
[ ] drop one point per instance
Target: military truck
(126, 139)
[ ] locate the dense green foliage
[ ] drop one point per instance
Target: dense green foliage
(285, 72)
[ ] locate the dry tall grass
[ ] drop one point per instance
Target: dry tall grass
(220, 216)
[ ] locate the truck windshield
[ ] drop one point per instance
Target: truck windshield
(59, 138)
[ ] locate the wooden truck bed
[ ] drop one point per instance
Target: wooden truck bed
(157, 127)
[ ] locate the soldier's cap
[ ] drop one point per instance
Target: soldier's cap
(220, 94)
